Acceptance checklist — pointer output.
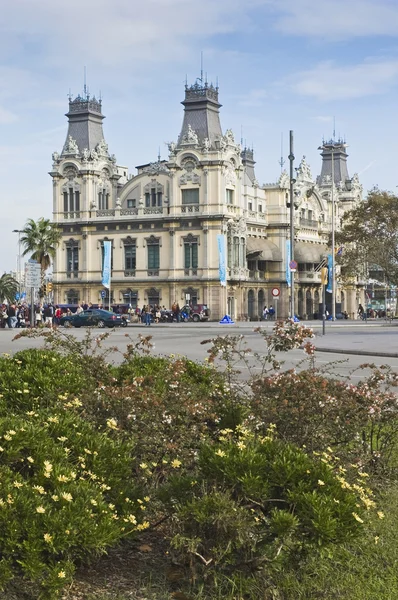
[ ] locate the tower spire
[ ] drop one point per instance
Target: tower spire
(201, 113)
(282, 160)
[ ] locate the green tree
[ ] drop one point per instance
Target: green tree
(369, 234)
(40, 239)
(8, 287)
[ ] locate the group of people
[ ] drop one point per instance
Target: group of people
(268, 313)
(15, 316)
(154, 313)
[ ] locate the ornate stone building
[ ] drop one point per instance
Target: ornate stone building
(164, 221)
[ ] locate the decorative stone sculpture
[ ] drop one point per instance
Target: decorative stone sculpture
(71, 146)
(102, 148)
(190, 137)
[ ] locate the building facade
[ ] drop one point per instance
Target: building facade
(164, 221)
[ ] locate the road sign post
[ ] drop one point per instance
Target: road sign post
(275, 294)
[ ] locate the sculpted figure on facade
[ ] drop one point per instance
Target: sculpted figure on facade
(86, 154)
(172, 148)
(94, 155)
(206, 145)
(190, 137)
(237, 226)
(71, 146)
(303, 170)
(102, 148)
(55, 157)
(229, 137)
(284, 181)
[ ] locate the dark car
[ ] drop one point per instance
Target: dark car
(197, 312)
(95, 317)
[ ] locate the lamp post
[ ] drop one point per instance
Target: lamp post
(19, 231)
(291, 194)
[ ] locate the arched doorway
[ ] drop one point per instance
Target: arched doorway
(316, 306)
(300, 300)
(261, 302)
(309, 306)
(250, 304)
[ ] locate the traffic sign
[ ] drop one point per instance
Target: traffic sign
(103, 293)
(32, 274)
(293, 265)
(275, 292)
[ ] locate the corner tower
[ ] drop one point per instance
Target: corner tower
(201, 114)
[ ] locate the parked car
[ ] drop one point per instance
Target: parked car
(95, 317)
(197, 312)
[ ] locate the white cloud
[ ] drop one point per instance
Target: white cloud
(336, 19)
(7, 116)
(328, 81)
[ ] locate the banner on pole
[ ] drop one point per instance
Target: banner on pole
(330, 274)
(106, 267)
(222, 259)
(288, 271)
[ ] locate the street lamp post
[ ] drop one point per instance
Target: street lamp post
(291, 257)
(19, 231)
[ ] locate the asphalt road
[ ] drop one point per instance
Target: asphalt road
(341, 351)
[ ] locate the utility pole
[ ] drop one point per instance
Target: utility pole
(291, 258)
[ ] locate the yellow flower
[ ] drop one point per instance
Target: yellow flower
(17, 484)
(55, 497)
(132, 519)
(111, 423)
(62, 574)
(376, 539)
(220, 453)
(241, 445)
(176, 464)
(62, 478)
(146, 498)
(320, 482)
(93, 502)
(30, 459)
(357, 517)
(67, 497)
(143, 526)
(48, 538)
(40, 509)
(380, 514)
(363, 474)
(143, 466)
(40, 489)
(62, 439)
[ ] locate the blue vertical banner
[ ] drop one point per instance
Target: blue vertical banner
(288, 271)
(222, 259)
(106, 267)
(329, 287)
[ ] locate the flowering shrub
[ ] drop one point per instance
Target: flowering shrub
(65, 493)
(359, 421)
(36, 377)
(257, 501)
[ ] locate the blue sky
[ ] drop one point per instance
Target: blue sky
(281, 65)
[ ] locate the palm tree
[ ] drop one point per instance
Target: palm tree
(40, 239)
(8, 288)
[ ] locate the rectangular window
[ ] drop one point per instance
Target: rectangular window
(190, 196)
(72, 259)
(153, 197)
(190, 255)
(130, 253)
(147, 200)
(229, 196)
(77, 201)
(131, 203)
(260, 209)
(153, 256)
(65, 201)
(250, 206)
(159, 198)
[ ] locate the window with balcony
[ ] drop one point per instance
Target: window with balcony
(190, 253)
(72, 260)
(131, 203)
(153, 197)
(153, 255)
(190, 196)
(71, 200)
(130, 257)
